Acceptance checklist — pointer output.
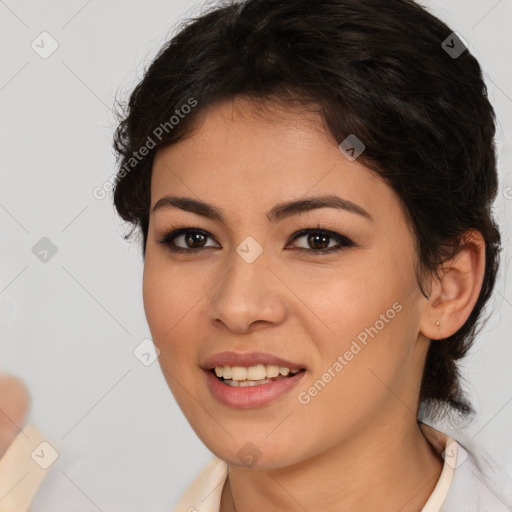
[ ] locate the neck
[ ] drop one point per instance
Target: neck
(378, 468)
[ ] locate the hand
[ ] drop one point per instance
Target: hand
(14, 404)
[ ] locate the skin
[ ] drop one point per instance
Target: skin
(356, 445)
(14, 404)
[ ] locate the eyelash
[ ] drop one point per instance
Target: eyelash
(175, 231)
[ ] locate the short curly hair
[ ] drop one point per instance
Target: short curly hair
(380, 69)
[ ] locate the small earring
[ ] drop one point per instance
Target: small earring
(437, 323)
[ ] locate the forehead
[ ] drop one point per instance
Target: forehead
(248, 155)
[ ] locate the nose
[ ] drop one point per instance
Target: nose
(249, 296)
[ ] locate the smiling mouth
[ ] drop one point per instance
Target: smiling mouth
(249, 382)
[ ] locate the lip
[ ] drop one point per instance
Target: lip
(250, 396)
(248, 359)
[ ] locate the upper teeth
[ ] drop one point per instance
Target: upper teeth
(258, 372)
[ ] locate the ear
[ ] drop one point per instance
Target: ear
(455, 293)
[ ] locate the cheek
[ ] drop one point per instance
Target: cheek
(156, 302)
(342, 304)
(166, 295)
(166, 307)
(170, 318)
(366, 320)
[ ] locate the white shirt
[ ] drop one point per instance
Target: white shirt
(462, 486)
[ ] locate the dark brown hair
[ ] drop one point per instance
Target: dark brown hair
(379, 69)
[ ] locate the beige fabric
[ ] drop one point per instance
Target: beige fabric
(204, 493)
(441, 442)
(23, 468)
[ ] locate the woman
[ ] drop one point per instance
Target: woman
(313, 182)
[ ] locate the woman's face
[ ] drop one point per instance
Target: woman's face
(248, 283)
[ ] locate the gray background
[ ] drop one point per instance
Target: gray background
(69, 326)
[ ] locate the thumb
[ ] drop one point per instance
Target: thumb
(14, 406)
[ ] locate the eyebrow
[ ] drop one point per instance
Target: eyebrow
(277, 213)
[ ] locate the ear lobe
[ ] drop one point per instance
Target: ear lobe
(455, 292)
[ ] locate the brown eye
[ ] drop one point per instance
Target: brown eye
(192, 239)
(319, 239)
